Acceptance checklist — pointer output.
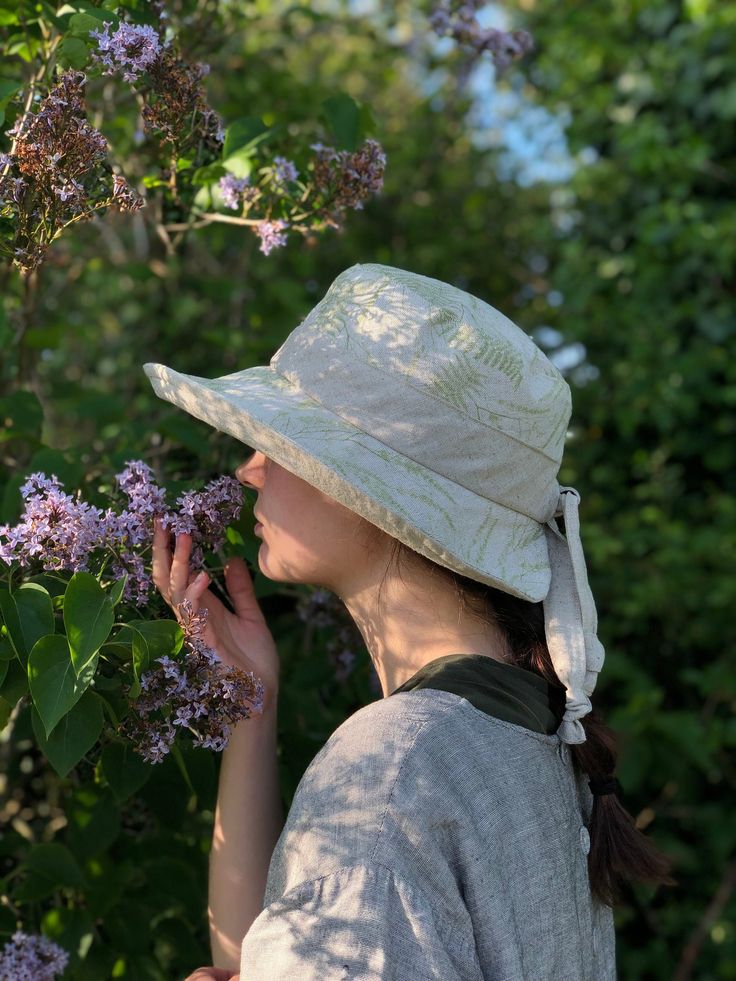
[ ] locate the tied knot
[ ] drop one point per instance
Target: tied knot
(570, 617)
(605, 785)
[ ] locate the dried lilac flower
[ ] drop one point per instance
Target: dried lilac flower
(132, 49)
(271, 233)
(462, 24)
(31, 957)
(197, 693)
(5, 161)
(284, 171)
(232, 188)
(124, 196)
(176, 109)
(206, 514)
(54, 530)
(347, 179)
(60, 157)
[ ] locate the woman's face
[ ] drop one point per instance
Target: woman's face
(307, 536)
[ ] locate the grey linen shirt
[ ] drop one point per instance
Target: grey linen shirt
(429, 840)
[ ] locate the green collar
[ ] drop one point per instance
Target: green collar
(501, 690)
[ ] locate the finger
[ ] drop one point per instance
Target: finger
(179, 574)
(211, 974)
(240, 589)
(161, 558)
(198, 584)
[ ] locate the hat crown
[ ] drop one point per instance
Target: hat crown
(437, 340)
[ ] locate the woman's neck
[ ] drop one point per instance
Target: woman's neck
(417, 620)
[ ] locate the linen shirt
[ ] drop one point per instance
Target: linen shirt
(430, 840)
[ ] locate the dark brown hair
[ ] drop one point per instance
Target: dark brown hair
(619, 851)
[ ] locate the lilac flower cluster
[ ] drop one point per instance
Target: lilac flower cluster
(321, 608)
(128, 532)
(131, 49)
(272, 234)
(59, 532)
(175, 106)
(198, 693)
(55, 529)
(206, 514)
(461, 22)
(232, 189)
(347, 178)
(31, 957)
(284, 171)
(54, 173)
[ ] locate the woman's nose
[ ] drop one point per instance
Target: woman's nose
(252, 471)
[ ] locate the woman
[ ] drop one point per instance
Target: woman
(465, 826)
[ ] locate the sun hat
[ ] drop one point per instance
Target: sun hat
(436, 418)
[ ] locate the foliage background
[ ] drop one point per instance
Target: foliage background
(622, 267)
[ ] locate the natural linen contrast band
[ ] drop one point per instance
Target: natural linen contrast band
(432, 415)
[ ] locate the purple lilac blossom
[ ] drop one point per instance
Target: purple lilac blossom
(206, 514)
(271, 233)
(284, 170)
(54, 528)
(232, 188)
(133, 48)
(31, 957)
(127, 532)
(197, 692)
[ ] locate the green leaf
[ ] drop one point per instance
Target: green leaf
(124, 770)
(162, 636)
(240, 164)
(209, 174)
(116, 590)
(8, 88)
(93, 822)
(77, 732)
(15, 684)
(28, 614)
(49, 866)
(243, 134)
(9, 614)
(88, 618)
(3, 671)
(6, 648)
(93, 21)
(73, 53)
(55, 687)
(36, 612)
(343, 116)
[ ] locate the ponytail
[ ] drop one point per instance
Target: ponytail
(619, 851)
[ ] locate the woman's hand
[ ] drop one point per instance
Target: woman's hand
(212, 974)
(242, 638)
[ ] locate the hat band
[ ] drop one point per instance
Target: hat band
(485, 461)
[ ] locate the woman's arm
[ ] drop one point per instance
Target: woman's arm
(248, 821)
(248, 818)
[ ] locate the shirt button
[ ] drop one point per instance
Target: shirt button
(584, 840)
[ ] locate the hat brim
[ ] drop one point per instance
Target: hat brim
(431, 514)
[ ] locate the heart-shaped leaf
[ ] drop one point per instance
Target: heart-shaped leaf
(55, 686)
(88, 618)
(76, 733)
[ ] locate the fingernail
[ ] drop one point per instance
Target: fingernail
(201, 577)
